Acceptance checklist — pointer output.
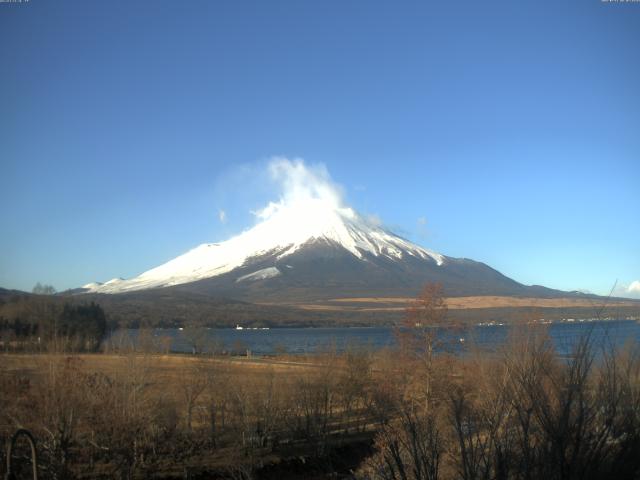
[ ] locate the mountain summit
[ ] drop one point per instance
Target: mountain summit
(310, 246)
(285, 230)
(314, 249)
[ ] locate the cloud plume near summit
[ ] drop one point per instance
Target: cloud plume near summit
(302, 187)
(309, 215)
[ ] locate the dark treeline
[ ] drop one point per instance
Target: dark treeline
(29, 323)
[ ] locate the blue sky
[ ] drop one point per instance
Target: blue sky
(507, 132)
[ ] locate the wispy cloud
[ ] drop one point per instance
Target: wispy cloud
(222, 216)
(632, 290)
(374, 220)
(299, 184)
(421, 227)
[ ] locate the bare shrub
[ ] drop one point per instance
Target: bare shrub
(409, 447)
(525, 413)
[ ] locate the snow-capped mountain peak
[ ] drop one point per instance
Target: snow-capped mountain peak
(284, 229)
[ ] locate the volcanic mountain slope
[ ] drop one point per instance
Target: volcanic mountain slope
(314, 250)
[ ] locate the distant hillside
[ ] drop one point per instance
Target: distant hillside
(173, 307)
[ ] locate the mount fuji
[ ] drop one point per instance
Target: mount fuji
(310, 260)
(313, 249)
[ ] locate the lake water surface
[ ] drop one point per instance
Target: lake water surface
(313, 340)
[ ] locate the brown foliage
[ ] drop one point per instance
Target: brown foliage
(520, 413)
(524, 414)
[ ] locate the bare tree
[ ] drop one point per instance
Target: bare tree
(197, 338)
(421, 333)
(411, 447)
(216, 396)
(354, 383)
(193, 383)
(40, 289)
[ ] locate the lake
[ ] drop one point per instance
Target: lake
(314, 340)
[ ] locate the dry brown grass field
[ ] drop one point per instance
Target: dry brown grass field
(134, 413)
(398, 304)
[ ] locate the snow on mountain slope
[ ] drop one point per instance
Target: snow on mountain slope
(285, 228)
(262, 274)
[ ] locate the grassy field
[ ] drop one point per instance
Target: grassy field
(197, 413)
(399, 304)
(166, 370)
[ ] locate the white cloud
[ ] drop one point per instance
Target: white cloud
(285, 185)
(300, 185)
(631, 291)
(421, 227)
(374, 220)
(634, 287)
